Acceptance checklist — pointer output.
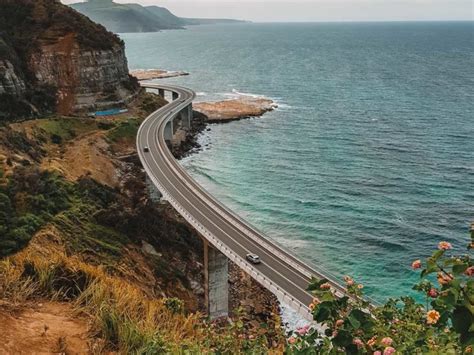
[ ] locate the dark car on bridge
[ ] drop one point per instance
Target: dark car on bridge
(253, 258)
(146, 149)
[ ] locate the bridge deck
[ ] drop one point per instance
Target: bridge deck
(280, 272)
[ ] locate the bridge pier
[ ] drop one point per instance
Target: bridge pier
(169, 131)
(216, 282)
(161, 92)
(175, 95)
(187, 116)
(153, 192)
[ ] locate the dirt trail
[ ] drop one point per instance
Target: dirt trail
(49, 329)
(86, 155)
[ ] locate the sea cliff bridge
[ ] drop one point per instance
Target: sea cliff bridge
(226, 236)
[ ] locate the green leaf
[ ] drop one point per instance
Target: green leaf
(459, 269)
(353, 321)
(323, 312)
(462, 320)
(343, 338)
(436, 255)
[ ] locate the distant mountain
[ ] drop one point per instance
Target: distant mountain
(121, 18)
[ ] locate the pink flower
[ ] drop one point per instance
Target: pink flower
(292, 340)
(303, 330)
(416, 264)
(387, 341)
(349, 281)
(358, 342)
(339, 323)
(378, 352)
(389, 351)
(444, 246)
(325, 286)
(433, 293)
(469, 271)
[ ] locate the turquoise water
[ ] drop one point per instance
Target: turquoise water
(368, 162)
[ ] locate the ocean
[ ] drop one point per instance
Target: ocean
(369, 160)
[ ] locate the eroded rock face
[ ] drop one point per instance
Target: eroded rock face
(53, 59)
(10, 82)
(85, 80)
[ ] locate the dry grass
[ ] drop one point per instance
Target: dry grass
(122, 315)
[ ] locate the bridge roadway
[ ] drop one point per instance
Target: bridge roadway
(281, 272)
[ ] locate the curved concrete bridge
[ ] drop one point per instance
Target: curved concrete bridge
(283, 274)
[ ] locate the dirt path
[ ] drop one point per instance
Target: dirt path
(49, 329)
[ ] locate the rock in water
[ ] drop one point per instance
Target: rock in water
(236, 109)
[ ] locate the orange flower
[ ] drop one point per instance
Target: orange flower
(339, 323)
(432, 317)
(292, 340)
(372, 341)
(444, 279)
(444, 246)
(360, 286)
(316, 301)
(416, 264)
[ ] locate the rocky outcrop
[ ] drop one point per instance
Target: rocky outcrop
(10, 82)
(58, 61)
(85, 79)
(235, 109)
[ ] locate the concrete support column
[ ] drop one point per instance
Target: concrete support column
(187, 116)
(161, 92)
(216, 282)
(169, 132)
(153, 192)
(175, 95)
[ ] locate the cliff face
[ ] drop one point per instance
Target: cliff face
(53, 59)
(85, 79)
(10, 82)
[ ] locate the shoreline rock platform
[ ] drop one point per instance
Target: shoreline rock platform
(150, 74)
(235, 109)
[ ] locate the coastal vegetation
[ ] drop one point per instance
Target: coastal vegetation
(444, 324)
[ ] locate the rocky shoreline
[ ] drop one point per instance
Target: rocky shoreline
(156, 74)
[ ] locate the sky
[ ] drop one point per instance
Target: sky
(318, 10)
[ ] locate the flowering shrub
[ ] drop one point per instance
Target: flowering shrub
(443, 325)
